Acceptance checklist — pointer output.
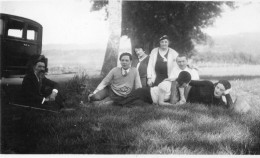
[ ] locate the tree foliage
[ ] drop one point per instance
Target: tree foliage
(145, 21)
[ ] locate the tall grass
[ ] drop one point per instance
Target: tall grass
(142, 129)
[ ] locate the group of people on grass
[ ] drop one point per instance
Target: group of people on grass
(163, 78)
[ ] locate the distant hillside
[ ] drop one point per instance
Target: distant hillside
(74, 54)
(244, 42)
(65, 57)
(69, 47)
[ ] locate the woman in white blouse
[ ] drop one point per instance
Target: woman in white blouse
(161, 62)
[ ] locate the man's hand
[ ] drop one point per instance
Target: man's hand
(150, 82)
(183, 101)
(227, 91)
(89, 96)
(47, 99)
(52, 96)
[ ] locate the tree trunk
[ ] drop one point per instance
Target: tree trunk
(133, 40)
(115, 19)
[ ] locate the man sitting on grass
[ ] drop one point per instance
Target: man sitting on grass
(118, 83)
(39, 91)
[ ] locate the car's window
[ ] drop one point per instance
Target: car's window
(15, 28)
(1, 26)
(32, 32)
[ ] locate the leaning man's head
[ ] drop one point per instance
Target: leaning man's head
(125, 60)
(183, 79)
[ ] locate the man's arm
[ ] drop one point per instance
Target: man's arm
(54, 86)
(50, 83)
(174, 98)
(174, 75)
(105, 82)
(161, 98)
(137, 80)
(229, 100)
(150, 67)
(182, 96)
(194, 74)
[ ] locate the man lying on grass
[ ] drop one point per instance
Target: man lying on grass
(204, 92)
(118, 83)
(159, 95)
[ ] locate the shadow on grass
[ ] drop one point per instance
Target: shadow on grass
(233, 77)
(121, 130)
(255, 130)
(160, 125)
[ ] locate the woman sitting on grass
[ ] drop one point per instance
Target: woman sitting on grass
(206, 92)
(158, 95)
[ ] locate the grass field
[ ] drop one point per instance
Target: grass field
(143, 129)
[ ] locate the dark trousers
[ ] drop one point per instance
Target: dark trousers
(52, 105)
(137, 97)
(106, 92)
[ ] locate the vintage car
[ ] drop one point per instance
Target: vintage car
(20, 39)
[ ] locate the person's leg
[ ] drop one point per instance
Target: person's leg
(138, 94)
(145, 95)
(111, 98)
(183, 94)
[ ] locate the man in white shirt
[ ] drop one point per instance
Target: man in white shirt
(182, 62)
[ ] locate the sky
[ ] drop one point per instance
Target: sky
(245, 19)
(71, 22)
(64, 21)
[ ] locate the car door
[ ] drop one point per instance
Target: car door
(13, 44)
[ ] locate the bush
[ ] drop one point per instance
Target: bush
(78, 88)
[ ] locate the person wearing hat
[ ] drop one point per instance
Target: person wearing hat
(206, 92)
(39, 91)
(159, 95)
(161, 62)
